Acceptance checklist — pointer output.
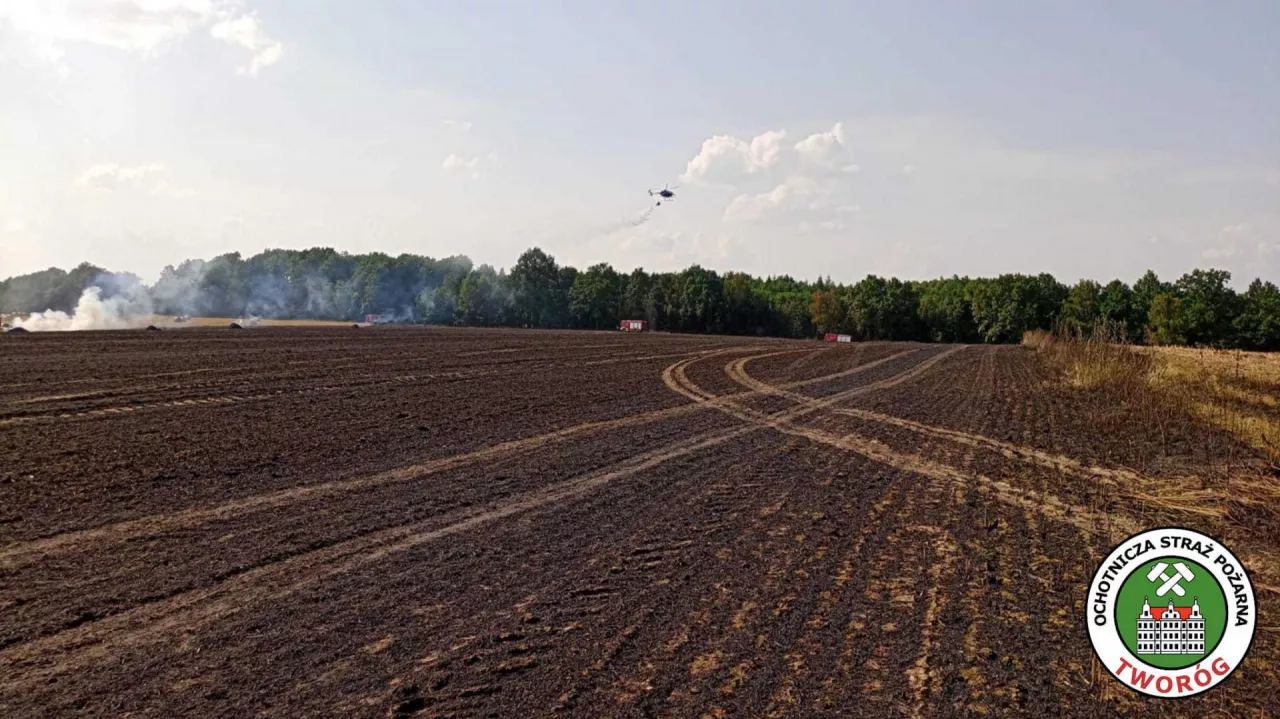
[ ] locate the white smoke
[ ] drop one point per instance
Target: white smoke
(629, 222)
(118, 312)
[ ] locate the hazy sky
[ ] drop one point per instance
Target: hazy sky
(916, 139)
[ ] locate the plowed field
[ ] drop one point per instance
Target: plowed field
(425, 522)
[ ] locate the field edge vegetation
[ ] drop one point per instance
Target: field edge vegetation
(1198, 309)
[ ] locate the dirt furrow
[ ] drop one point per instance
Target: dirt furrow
(631, 576)
(569, 524)
(1052, 506)
(152, 622)
(139, 401)
(45, 658)
(1008, 449)
(16, 555)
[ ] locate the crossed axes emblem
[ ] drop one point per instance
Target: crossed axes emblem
(1170, 582)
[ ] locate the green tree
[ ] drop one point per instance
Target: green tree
(1144, 294)
(1002, 307)
(881, 309)
(825, 311)
(440, 305)
(595, 299)
(746, 309)
(1047, 296)
(1083, 307)
(945, 312)
(324, 283)
(1165, 321)
(635, 295)
(539, 299)
(701, 301)
(1258, 324)
(34, 292)
(1116, 308)
(1209, 306)
(475, 297)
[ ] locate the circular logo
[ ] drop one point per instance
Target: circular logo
(1171, 612)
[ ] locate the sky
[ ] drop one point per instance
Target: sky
(1085, 139)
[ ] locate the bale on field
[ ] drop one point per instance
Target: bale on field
(355, 327)
(152, 328)
(236, 326)
(17, 331)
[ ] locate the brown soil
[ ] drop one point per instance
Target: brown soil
(431, 522)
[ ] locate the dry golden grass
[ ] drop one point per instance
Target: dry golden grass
(1236, 391)
(1093, 362)
(1214, 393)
(1038, 340)
(1231, 390)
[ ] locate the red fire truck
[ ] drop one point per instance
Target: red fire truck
(633, 325)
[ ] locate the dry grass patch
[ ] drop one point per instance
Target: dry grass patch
(1225, 403)
(1236, 391)
(1096, 361)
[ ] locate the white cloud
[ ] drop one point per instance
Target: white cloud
(110, 178)
(1242, 240)
(664, 250)
(246, 31)
(456, 162)
(753, 207)
(723, 159)
(717, 152)
(164, 188)
(138, 178)
(824, 226)
(470, 166)
(143, 27)
(822, 148)
(727, 161)
(463, 125)
(764, 149)
(908, 169)
(140, 26)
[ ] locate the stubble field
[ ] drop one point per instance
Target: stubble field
(435, 522)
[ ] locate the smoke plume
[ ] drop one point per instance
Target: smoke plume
(93, 312)
(629, 222)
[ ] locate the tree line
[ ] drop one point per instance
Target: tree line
(1199, 308)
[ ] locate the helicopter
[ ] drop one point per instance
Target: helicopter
(665, 193)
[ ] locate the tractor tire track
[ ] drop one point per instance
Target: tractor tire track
(639, 566)
(15, 556)
(230, 399)
(1050, 506)
(152, 622)
(42, 659)
(1028, 454)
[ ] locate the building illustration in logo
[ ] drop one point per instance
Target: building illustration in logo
(1171, 612)
(1170, 630)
